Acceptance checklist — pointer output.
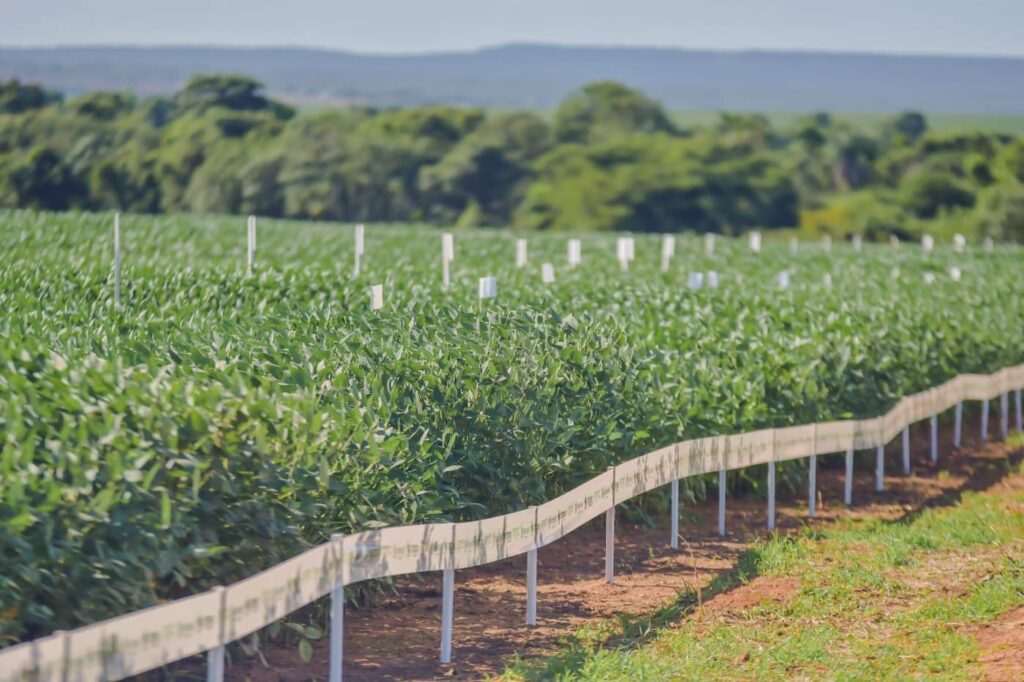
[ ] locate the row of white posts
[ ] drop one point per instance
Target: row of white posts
(215, 668)
(625, 251)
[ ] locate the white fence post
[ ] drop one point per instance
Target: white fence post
(880, 469)
(1020, 426)
(934, 423)
(674, 522)
(721, 502)
(215, 656)
(531, 573)
(906, 450)
(848, 482)
(609, 545)
(984, 420)
(812, 475)
(1004, 415)
(771, 495)
(447, 613)
(337, 613)
(958, 425)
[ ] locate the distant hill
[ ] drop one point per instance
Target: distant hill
(539, 76)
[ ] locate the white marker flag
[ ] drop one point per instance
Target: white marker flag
(520, 253)
(826, 243)
(117, 259)
(360, 234)
(448, 247)
(376, 297)
(709, 244)
(928, 242)
(959, 242)
(857, 243)
(668, 249)
(755, 242)
(547, 273)
(695, 280)
(784, 279)
(575, 253)
(447, 256)
(929, 278)
(989, 245)
(895, 272)
(713, 279)
(488, 287)
(894, 241)
(827, 280)
(955, 273)
(794, 246)
(624, 251)
(250, 254)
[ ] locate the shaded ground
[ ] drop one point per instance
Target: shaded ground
(398, 638)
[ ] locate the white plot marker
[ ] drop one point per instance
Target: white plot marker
(117, 260)
(376, 297)
(754, 240)
(521, 253)
(857, 243)
(927, 243)
(250, 254)
(783, 279)
(360, 244)
(547, 273)
(959, 242)
(668, 249)
(488, 287)
(826, 244)
(709, 244)
(695, 280)
(575, 253)
(625, 250)
(447, 256)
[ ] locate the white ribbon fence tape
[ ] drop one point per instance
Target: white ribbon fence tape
(150, 638)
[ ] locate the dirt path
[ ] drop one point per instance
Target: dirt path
(398, 637)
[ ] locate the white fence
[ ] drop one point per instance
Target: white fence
(147, 639)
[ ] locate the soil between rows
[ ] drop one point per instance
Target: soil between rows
(397, 638)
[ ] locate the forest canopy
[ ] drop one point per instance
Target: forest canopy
(608, 158)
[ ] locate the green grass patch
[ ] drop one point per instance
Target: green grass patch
(875, 600)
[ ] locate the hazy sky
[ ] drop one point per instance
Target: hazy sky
(991, 27)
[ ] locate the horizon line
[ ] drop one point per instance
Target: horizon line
(513, 44)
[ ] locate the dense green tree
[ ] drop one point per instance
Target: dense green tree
(606, 109)
(17, 97)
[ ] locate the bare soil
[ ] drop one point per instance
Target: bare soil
(397, 638)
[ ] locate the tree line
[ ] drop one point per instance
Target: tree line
(608, 158)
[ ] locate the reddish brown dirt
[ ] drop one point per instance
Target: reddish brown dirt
(398, 637)
(1001, 643)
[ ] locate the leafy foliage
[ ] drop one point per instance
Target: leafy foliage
(218, 422)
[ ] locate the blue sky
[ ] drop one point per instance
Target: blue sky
(984, 27)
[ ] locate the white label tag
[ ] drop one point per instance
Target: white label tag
(376, 297)
(827, 280)
(713, 279)
(360, 230)
(547, 273)
(695, 280)
(894, 241)
(784, 279)
(928, 242)
(989, 245)
(929, 278)
(488, 287)
(447, 247)
(668, 247)
(955, 273)
(755, 242)
(520, 253)
(709, 244)
(856, 243)
(826, 243)
(794, 246)
(625, 249)
(959, 242)
(575, 252)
